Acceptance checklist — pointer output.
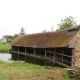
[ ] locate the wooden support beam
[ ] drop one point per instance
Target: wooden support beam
(34, 54)
(34, 51)
(50, 51)
(45, 53)
(25, 53)
(18, 52)
(54, 56)
(62, 54)
(45, 57)
(72, 58)
(62, 64)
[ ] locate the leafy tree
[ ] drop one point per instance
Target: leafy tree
(66, 23)
(22, 31)
(9, 41)
(16, 35)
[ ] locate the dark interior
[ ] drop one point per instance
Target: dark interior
(63, 55)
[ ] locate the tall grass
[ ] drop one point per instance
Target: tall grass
(4, 48)
(27, 71)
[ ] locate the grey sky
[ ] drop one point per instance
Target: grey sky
(35, 15)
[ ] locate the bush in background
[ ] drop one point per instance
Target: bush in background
(9, 41)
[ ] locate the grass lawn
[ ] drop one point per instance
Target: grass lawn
(4, 48)
(26, 71)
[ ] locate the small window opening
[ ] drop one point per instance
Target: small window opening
(72, 31)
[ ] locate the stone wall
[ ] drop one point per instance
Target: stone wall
(76, 58)
(75, 43)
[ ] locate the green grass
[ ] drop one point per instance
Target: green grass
(4, 48)
(26, 71)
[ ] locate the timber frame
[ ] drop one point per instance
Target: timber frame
(60, 47)
(61, 56)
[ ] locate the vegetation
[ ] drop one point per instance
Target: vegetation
(9, 41)
(26, 71)
(16, 35)
(67, 23)
(4, 47)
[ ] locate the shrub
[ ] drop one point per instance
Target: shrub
(9, 41)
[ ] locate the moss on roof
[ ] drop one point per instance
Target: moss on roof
(44, 40)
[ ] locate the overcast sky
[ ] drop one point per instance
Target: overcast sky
(35, 15)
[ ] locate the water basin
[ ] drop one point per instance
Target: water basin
(5, 57)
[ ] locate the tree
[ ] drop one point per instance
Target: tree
(22, 31)
(9, 41)
(16, 35)
(66, 23)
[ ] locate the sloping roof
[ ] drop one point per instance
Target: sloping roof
(9, 37)
(45, 40)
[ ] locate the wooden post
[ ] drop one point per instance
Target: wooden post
(72, 66)
(45, 53)
(25, 53)
(45, 57)
(18, 52)
(62, 55)
(54, 56)
(34, 54)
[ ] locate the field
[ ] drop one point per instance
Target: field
(4, 48)
(26, 71)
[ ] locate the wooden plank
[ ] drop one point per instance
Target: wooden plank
(18, 52)
(45, 53)
(67, 55)
(62, 55)
(49, 59)
(50, 51)
(34, 51)
(62, 64)
(32, 55)
(54, 56)
(25, 53)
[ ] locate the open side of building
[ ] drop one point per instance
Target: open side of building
(61, 47)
